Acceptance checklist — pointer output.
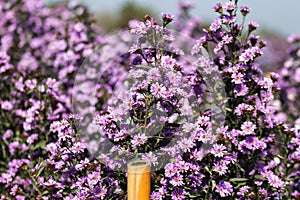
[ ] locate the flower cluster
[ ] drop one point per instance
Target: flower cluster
(288, 105)
(64, 170)
(248, 159)
(41, 51)
(186, 23)
(159, 113)
(75, 107)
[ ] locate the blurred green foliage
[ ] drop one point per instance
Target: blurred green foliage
(119, 19)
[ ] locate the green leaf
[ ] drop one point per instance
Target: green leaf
(213, 184)
(143, 66)
(30, 91)
(238, 179)
(259, 177)
(228, 109)
(3, 151)
(40, 171)
(40, 144)
(207, 169)
(240, 168)
(239, 185)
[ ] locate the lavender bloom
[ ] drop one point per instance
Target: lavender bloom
(253, 25)
(167, 18)
(178, 194)
(158, 90)
(6, 105)
(220, 168)
(224, 188)
(245, 10)
(229, 6)
(243, 191)
(138, 140)
(218, 150)
(248, 128)
(218, 8)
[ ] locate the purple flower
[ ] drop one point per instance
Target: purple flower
(186, 144)
(275, 181)
(266, 83)
(52, 183)
(248, 128)
(167, 18)
(51, 147)
(6, 105)
(151, 158)
(177, 180)
(218, 7)
(227, 39)
(32, 138)
(14, 190)
(245, 10)
(101, 192)
(170, 170)
(178, 194)
(251, 143)
(20, 197)
(13, 146)
(229, 6)
(243, 190)
(138, 140)
(7, 134)
(5, 178)
(224, 188)
(218, 150)
(78, 147)
(218, 47)
(237, 78)
(158, 90)
(220, 168)
(138, 27)
(216, 25)
(31, 83)
(250, 54)
(253, 25)
(239, 110)
(241, 90)
(229, 19)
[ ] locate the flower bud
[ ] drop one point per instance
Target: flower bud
(245, 10)
(167, 18)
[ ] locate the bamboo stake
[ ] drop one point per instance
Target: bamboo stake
(138, 181)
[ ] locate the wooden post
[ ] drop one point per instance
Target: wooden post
(138, 180)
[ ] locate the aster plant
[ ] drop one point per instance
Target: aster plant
(248, 159)
(287, 106)
(41, 50)
(289, 83)
(202, 112)
(151, 115)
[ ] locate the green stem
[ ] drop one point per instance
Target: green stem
(35, 184)
(146, 115)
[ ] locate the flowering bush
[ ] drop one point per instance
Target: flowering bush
(289, 84)
(41, 51)
(162, 104)
(248, 159)
(198, 107)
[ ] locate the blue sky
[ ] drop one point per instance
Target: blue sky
(281, 16)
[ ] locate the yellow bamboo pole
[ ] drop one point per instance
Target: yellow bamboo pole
(138, 180)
